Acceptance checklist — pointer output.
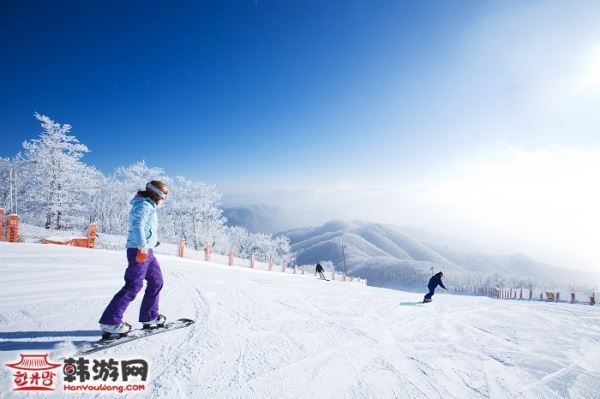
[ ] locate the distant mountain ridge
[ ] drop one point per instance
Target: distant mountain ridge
(387, 254)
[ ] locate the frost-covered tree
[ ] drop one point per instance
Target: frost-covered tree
(262, 246)
(111, 205)
(5, 164)
(194, 213)
(281, 251)
(57, 190)
(237, 240)
(58, 184)
(135, 176)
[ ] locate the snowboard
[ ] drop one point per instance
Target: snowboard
(133, 335)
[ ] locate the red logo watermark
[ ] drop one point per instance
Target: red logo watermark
(33, 373)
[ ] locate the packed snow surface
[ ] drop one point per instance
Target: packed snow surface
(274, 335)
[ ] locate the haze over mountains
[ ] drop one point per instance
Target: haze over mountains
(257, 218)
(389, 255)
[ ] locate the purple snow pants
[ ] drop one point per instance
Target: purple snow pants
(135, 275)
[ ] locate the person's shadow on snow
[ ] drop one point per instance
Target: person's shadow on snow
(411, 303)
(41, 345)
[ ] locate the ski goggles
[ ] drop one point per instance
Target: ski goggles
(157, 191)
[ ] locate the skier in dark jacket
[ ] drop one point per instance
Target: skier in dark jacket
(319, 269)
(434, 281)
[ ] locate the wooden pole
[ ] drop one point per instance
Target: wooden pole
(1, 224)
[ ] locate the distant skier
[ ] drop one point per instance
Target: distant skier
(319, 269)
(434, 281)
(142, 265)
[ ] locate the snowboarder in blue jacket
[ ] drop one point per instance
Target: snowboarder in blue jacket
(142, 265)
(434, 281)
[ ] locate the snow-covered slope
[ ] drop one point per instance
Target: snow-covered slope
(272, 335)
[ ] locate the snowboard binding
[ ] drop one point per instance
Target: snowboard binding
(158, 322)
(109, 336)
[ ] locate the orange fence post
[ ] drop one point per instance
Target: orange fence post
(92, 235)
(1, 224)
(12, 228)
(181, 251)
(231, 257)
(207, 252)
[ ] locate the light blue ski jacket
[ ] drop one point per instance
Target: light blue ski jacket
(143, 223)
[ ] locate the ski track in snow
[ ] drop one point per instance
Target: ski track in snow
(271, 335)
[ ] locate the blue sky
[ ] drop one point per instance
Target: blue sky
(478, 119)
(288, 89)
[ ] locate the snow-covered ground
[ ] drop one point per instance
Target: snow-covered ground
(274, 335)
